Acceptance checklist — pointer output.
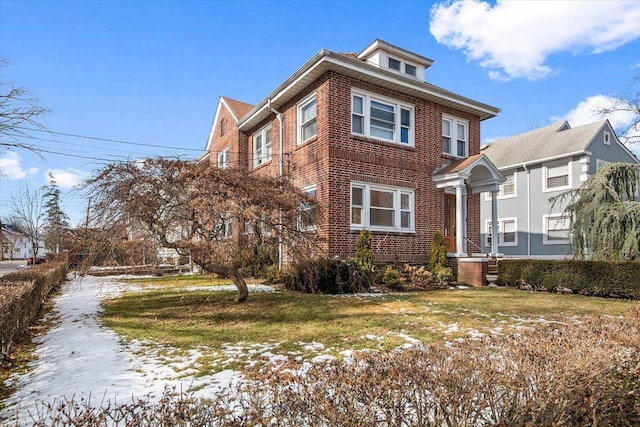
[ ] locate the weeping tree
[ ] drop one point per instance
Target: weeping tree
(222, 218)
(605, 216)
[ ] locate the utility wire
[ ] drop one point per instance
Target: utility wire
(109, 140)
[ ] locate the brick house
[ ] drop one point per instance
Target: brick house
(378, 147)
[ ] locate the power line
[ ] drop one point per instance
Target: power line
(110, 140)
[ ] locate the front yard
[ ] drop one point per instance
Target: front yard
(195, 320)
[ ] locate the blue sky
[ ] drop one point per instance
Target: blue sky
(151, 72)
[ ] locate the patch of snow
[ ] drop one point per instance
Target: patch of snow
(323, 359)
(78, 358)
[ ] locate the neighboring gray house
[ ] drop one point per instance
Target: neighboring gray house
(538, 165)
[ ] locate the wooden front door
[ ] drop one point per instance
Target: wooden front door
(450, 222)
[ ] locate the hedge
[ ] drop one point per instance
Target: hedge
(615, 279)
(22, 294)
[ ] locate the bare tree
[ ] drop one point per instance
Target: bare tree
(20, 112)
(628, 104)
(223, 218)
(28, 215)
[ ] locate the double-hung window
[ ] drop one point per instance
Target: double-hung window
(382, 118)
(455, 136)
(223, 158)
(507, 232)
(557, 176)
(262, 146)
(382, 208)
(223, 228)
(307, 212)
(507, 188)
(556, 229)
(307, 119)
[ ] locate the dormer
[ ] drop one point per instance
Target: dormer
(396, 59)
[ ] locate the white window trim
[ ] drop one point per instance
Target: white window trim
(545, 168)
(223, 158)
(501, 221)
(545, 227)
(308, 189)
(607, 138)
(403, 66)
(367, 98)
(366, 206)
(501, 194)
(301, 105)
(454, 136)
(600, 163)
(262, 159)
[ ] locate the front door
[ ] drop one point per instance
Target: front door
(450, 222)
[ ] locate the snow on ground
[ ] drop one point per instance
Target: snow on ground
(78, 358)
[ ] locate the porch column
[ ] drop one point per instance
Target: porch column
(494, 223)
(460, 219)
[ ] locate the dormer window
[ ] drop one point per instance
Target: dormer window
(410, 69)
(394, 64)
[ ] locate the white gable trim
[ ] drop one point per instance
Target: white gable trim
(221, 102)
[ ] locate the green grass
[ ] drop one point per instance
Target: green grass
(230, 335)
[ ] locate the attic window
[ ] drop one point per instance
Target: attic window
(394, 63)
(607, 138)
(221, 127)
(410, 69)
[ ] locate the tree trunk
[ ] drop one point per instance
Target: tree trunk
(243, 291)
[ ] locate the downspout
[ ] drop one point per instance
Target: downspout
(524, 165)
(281, 177)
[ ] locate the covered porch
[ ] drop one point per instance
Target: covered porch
(475, 174)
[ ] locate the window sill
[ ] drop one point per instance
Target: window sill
(307, 142)
(453, 156)
(390, 232)
(383, 142)
(555, 189)
(261, 165)
(560, 242)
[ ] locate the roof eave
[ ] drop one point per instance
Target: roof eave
(326, 60)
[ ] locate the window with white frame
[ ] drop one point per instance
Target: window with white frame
(223, 158)
(507, 232)
(223, 228)
(455, 136)
(382, 118)
(262, 146)
(557, 176)
(607, 138)
(382, 208)
(307, 214)
(507, 188)
(556, 229)
(600, 164)
(307, 119)
(394, 64)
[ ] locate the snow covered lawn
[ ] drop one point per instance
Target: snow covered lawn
(195, 338)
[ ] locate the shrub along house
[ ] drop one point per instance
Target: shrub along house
(378, 147)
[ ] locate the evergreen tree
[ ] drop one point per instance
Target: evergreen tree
(56, 221)
(605, 216)
(364, 253)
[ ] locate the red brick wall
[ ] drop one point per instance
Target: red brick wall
(231, 137)
(335, 158)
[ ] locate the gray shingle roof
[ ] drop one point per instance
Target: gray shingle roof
(547, 142)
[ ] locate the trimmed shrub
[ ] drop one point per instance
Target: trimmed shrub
(326, 276)
(364, 253)
(392, 278)
(437, 252)
(617, 279)
(22, 294)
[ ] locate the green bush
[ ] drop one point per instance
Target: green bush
(443, 275)
(327, 276)
(392, 278)
(618, 279)
(437, 252)
(364, 253)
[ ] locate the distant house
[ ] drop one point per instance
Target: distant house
(538, 165)
(15, 245)
(376, 145)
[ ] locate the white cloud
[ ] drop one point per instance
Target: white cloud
(587, 111)
(513, 39)
(10, 167)
(69, 178)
